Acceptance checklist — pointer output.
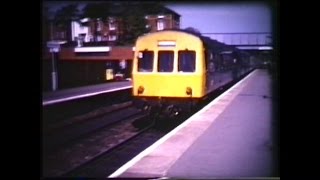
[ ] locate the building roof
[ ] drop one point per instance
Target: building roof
(163, 10)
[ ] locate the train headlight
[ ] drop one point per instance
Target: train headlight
(189, 91)
(140, 89)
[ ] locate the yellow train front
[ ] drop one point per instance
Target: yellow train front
(172, 70)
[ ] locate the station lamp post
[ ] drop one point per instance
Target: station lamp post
(54, 48)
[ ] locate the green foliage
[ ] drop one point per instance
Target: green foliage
(97, 10)
(134, 24)
(65, 15)
(45, 24)
(134, 20)
(193, 30)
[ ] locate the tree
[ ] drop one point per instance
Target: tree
(64, 16)
(45, 24)
(96, 12)
(193, 30)
(134, 23)
(134, 19)
(132, 15)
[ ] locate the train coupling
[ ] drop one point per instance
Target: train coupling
(171, 111)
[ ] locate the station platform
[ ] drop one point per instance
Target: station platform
(233, 136)
(81, 92)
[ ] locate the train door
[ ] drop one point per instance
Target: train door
(209, 70)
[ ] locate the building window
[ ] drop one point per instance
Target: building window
(112, 23)
(99, 38)
(81, 27)
(112, 37)
(160, 24)
(90, 37)
(99, 25)
(111, 19)
(112, 26)
(177, 24)
(62, 35)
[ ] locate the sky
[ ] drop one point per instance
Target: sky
(224, 18)
(240, 17)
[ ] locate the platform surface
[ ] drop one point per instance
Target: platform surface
(231, 137)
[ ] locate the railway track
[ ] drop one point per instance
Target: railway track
(109, 162)
(80, 126)
(83, 150)
(54, 113)
(49, 128)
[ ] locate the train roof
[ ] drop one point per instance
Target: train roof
(207, 41)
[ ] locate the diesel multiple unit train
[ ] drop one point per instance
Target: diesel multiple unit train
(175, 69)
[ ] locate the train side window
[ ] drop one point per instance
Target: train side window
(212, 62)
(186, 61)
(145, 61)
(165, 61)
(227, 60)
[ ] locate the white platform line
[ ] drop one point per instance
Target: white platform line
(82, 96)
(147, 151)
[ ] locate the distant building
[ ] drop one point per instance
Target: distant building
(165, 19)
(106, 30)
(111, 28)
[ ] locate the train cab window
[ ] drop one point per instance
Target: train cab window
(145, 61)
(165, 61)
(187, 61)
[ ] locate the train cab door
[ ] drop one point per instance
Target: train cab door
(209, 69)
